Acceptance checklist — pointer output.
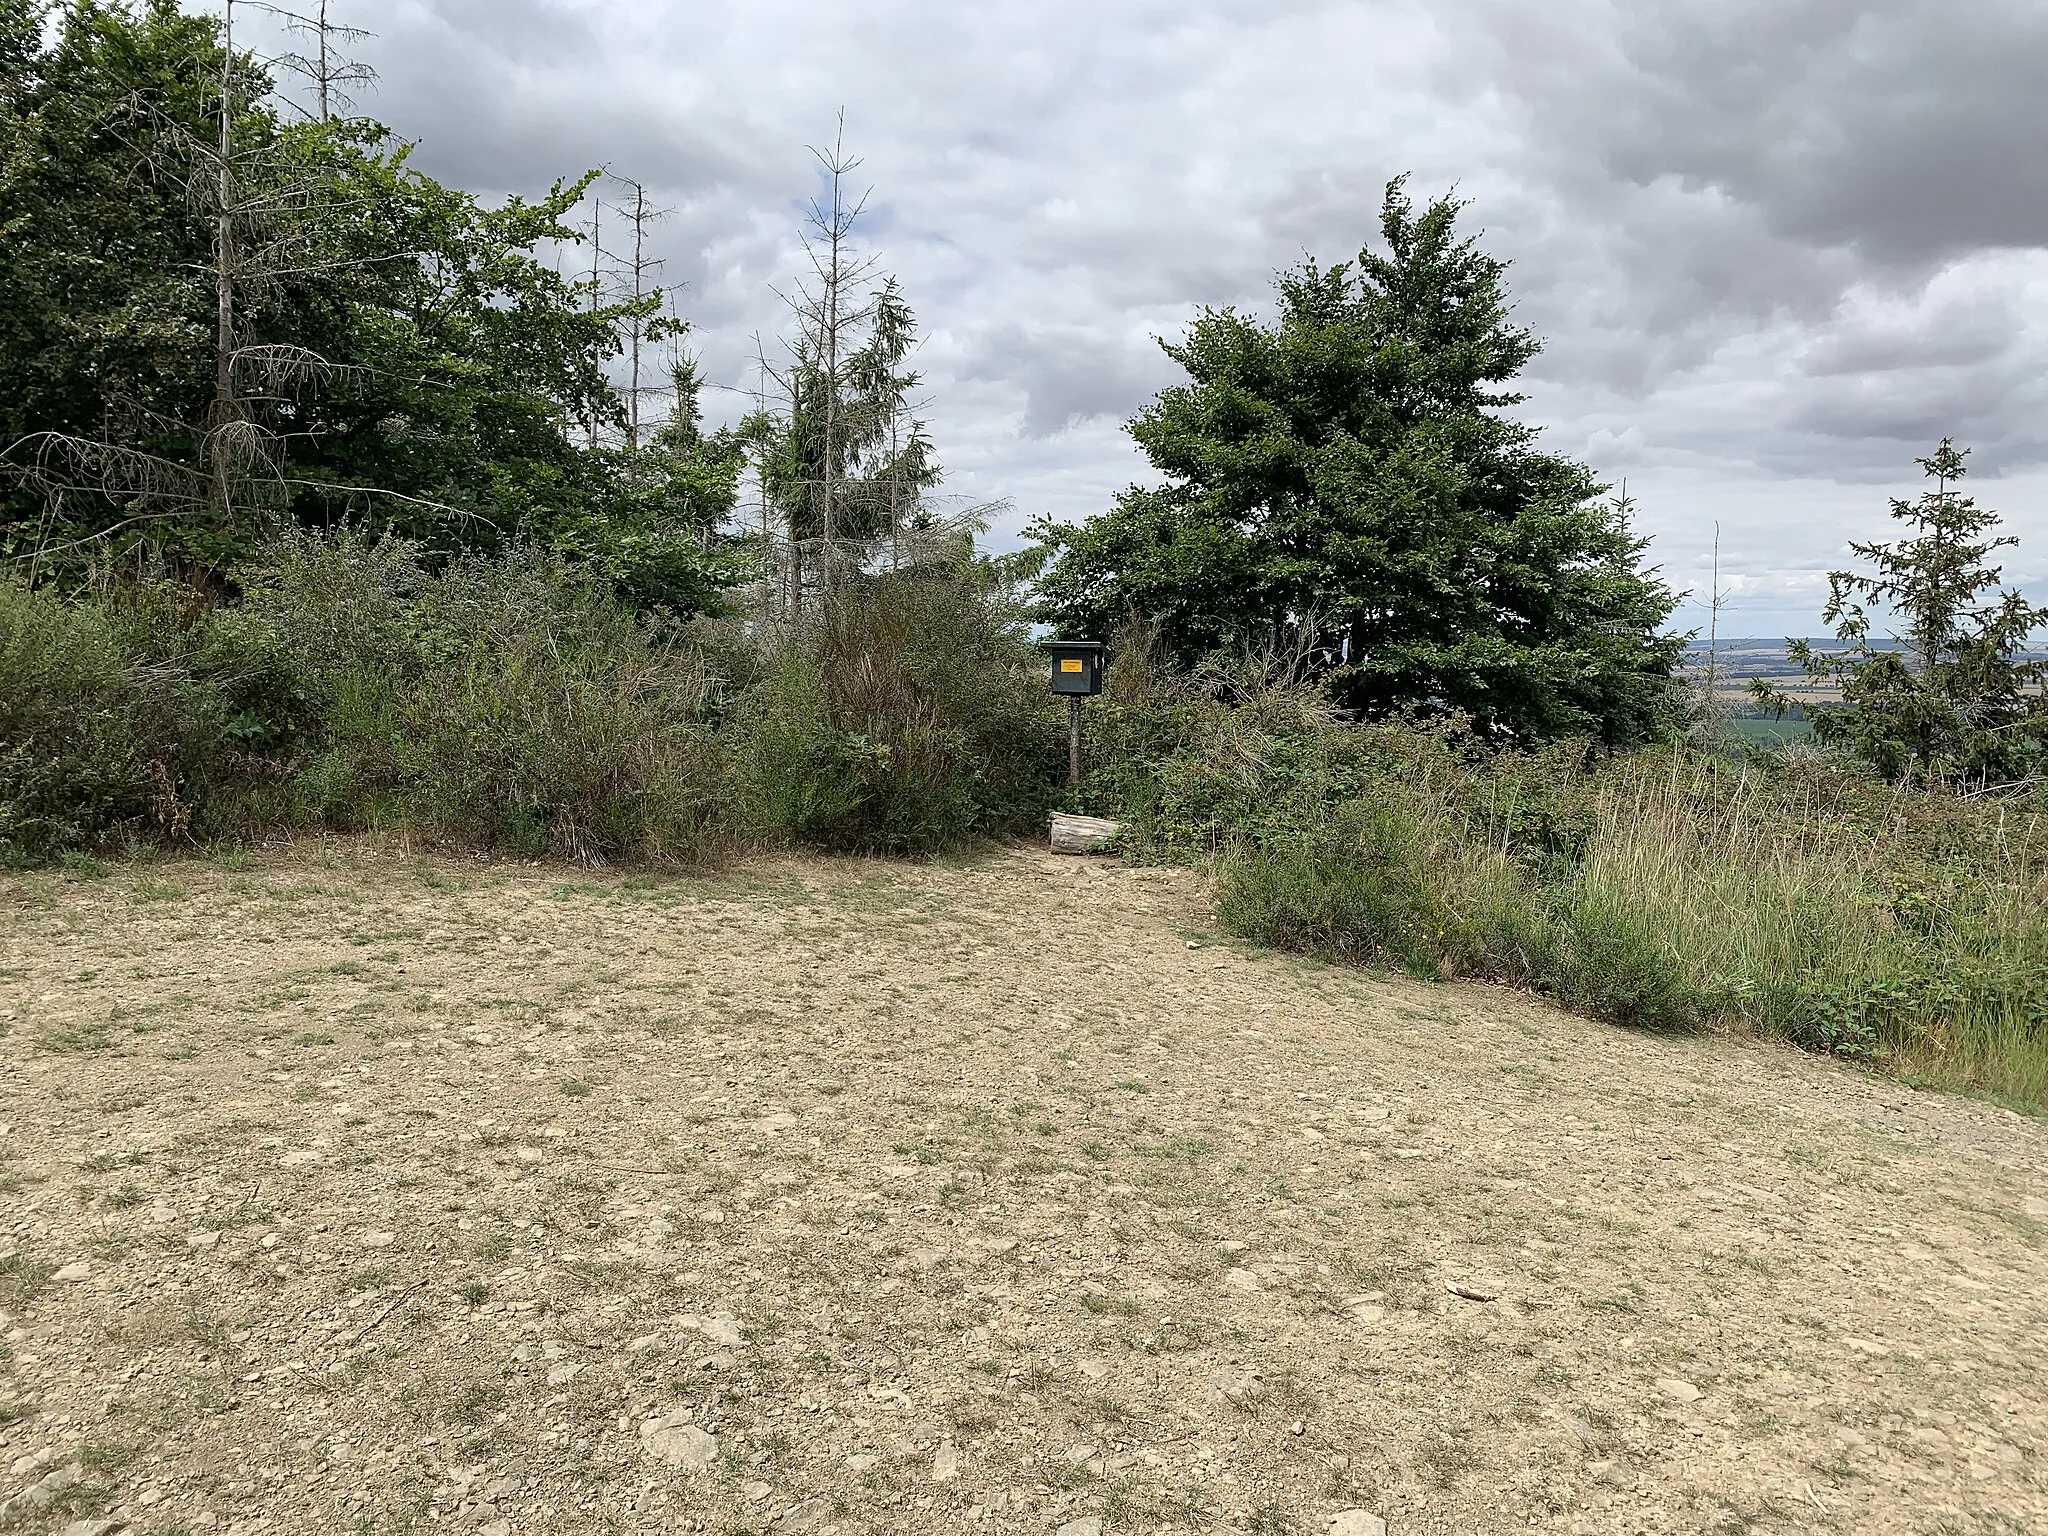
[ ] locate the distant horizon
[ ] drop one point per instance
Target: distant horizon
(1819, 642)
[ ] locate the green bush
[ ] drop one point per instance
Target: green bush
(506, 702)
(907, 719)
(795, 773)
(1661, 890)
(73, 763)
(130, 718)
(513, 702)
(1359, 892)
(1617, 961)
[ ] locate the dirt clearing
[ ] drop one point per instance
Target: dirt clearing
(348, 1194)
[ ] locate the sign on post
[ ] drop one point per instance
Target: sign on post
(1076, 672)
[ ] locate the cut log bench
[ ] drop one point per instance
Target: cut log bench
(1082, 834)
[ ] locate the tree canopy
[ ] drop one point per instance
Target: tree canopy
(384, 349)
(1349, 470)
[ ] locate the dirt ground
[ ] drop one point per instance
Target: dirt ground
(350, 1193)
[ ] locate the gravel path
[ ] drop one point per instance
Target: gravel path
(344, 1193)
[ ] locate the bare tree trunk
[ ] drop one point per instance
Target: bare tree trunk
(832, 321)
(639, 269)
(596, 252)
(224, 403)
(326, 69)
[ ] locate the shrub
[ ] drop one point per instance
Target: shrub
(513, 702)
(73, 763)
(794, 769)
(1360, 892)
(1664, 890)
(904, 720)
(129, 716)
(506, 702)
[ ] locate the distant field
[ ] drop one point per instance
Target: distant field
(1742, 659)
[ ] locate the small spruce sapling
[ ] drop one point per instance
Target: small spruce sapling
(1956, 700)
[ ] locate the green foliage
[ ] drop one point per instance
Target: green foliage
(1672, 891)
(403, 357)
(1342, 483)
(905, 719)
(877, 461)
(1956, 704)
(1664, 889)
(511, 702)
(1358, 892)
(102, 297)
(130, 716)
(70, 754)
(514, 702)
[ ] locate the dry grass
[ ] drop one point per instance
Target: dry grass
(1672, 891)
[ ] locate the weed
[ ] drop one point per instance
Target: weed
(1109, 1306)
(75, 1039)
(22, 1278)
(476, 1401)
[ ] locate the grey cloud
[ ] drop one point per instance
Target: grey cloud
(1068, 375)
(1910, 131)
(1775, 246)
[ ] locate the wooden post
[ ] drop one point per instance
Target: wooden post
(1074, 741)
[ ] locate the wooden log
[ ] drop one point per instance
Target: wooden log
(1082, 834)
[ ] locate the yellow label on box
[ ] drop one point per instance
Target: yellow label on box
(1075, 665)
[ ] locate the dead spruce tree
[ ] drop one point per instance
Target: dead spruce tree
(324, 66)
(644, 325)
(263, 206)
(841, 462)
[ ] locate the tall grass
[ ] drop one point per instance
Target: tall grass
(1668, 889)
(906, 718)
(1674, 891)
(498, 703)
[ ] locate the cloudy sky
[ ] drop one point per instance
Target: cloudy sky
(1776, 247)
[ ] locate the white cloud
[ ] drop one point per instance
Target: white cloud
(1776, 247)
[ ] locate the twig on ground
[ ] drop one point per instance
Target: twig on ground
(383, 1312)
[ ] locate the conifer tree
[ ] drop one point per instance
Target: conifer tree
(325, 66)
(1348, 473)
(1955, 699)
(842, 462)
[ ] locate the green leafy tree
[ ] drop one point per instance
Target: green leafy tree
(1955, 698)
(106, 331)
(399, 353)
(1347, 474)
(661, 536)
